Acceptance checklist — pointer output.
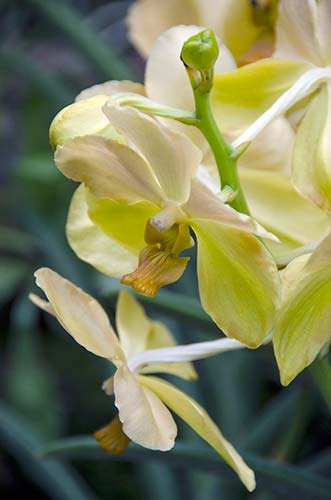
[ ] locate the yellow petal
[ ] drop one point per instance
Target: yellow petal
(147, 19)
(132, 324)
(108, 169)
(272, 148)
(279, 208)
(81, 315)
(42, 304)
(93, 245)
(197, 418)
(321, 256)
(172, 156)
(239, 97)
(203, 204)
(160, 336)
(305, 36)
(312, 151)
(238, 281)
(121, 222)
(303, 326)
(145, 418)
(82, 118)
(138, 333)
(110, 88)
(112, 438)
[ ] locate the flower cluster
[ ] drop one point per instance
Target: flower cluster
(236, 161)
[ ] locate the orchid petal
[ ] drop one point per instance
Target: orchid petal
(144, 417)
(159, 337)
(110, 88)
(81, 315)
(305, 36)
(92, 245)
(108, 169)
(303, 325)
(238, 281)
(240, 97)
(279, 208)
(82, 118)
(203, 204)
(147, 19)
(197, 418)
(172, 156)
(132, 324)
(121, 222)
(312, 151)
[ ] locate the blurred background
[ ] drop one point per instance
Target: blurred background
(50, 387)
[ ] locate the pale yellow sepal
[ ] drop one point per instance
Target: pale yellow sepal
(240, 97)
(110, 88)
(312, 151)
(303, 327)
(282, 210)
(238, 281)
(108, 169)
(197, 418)
(148, 334)
(144, 417)
(80, 315)
(82, 118)
(92, 244)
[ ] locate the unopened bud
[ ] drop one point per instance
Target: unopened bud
(200, 51)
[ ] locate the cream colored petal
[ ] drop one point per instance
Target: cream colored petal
(42, 304)
(279, 208)
(238, 281)
(272, 149)
(160, 336)
(312, 151)
(108, 169)
(323, 31)
(82, 118)
(81, 315)
(122, 222)
(197, 418)
(172, 156)
(303, 325)
(240, 97)
(145, 418)
(132, 324)
(110, 88)
(147, 19)
(166, 80)
(321, 256)
(296, 31)
(92, 245)
(203, 204)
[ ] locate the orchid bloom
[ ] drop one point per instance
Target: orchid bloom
(303, 327)
(296, 80)
(265, 166)
(256, 19)
(132, 216)
(142, 401)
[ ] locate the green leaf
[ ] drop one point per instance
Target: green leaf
(279, 476)
(12, 272)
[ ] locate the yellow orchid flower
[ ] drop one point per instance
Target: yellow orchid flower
(147, 19)
(303, 327)
(265, 167)
(132, 220)
(142, 402)
(297, 79)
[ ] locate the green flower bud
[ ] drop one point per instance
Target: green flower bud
(200, 51)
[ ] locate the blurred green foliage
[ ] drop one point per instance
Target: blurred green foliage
(50, 387)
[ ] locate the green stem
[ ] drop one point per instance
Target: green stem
(321, 373)
(226, 163)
